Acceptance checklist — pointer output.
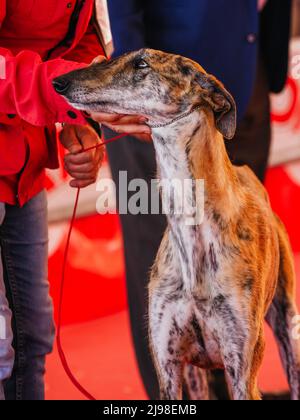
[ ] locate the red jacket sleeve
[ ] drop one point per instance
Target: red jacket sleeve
(26, 89)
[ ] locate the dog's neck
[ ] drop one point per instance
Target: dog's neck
(192, 148)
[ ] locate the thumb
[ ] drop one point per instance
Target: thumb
(69, 140)
(75, 148)
(88, 137)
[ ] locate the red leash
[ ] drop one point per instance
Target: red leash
(62, 286)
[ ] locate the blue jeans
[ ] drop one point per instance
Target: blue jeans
(24, 291)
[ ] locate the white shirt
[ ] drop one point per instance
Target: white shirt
(103, 20)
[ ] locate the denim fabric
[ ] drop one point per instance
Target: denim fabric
(6, 350)
(24, 245)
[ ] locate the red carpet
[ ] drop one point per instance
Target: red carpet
(101, 356)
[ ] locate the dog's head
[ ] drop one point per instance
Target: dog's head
(151, 83)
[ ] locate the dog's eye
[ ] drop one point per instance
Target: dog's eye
(140, 64)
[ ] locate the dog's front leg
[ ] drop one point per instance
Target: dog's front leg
(169, 313)
(167, 321)
(242, 348)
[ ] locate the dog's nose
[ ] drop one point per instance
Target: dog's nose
(61, 85)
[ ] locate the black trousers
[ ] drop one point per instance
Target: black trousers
(143, 233)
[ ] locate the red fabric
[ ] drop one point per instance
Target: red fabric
(29, 106)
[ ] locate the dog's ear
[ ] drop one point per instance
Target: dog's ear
(222, 103)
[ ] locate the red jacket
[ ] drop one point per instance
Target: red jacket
(39, 40)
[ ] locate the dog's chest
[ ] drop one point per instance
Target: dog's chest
(209, 263)
(205, 250)
(200, 252)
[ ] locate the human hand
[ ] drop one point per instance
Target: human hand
(129, 124)
(82, 166)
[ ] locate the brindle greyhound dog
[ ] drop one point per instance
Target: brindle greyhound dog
(212, 284)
